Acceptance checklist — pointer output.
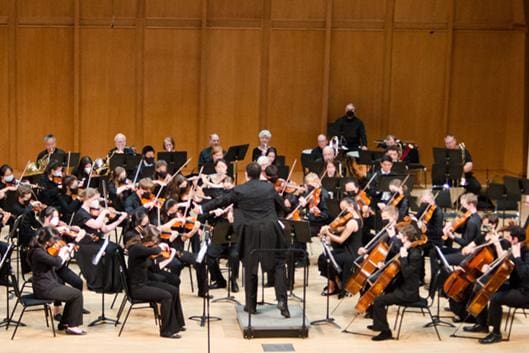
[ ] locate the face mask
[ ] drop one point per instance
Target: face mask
(149, 160)
(54, 221)
(350, 114)
(74, 190)
(350, 193)
(162, 174)
(146, 195)
(9, 178)
(26, 202)
(88, 171)
(385, 222)
(58, 174)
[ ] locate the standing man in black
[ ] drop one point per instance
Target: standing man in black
(352, 128)
(256, 225)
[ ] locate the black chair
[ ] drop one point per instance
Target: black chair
(6, 279)
(133, 302)
(422, 305)
(29, 301)
(510, 319)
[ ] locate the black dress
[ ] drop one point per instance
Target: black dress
(46, 285)
(103, 277)
(159, 292)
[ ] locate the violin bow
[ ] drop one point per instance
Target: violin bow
(288, 177)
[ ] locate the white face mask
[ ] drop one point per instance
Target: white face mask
(88, 170)
(57, 174)
(54, 221)
(9, 178)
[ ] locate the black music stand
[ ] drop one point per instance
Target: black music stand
(296, 231)
(234, 155)
(223, 234)
(73, 160)
(175, 160)
(449, 162)
(117, 160)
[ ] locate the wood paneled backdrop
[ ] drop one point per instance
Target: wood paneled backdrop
(87, 69)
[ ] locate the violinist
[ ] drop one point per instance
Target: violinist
(393, 153)
(51, 153)
(46, 285)
(142, 197)
(119, 188)
(69, 198)
(169, 144)
(140, 250)
(206, 154)
(398, 198)
(149, 159)
(331, 170)
(516, 292)
(83, 171)
(470, 229)
(177, 187)
(50, 218)
(407, 289)
(7, 183)
(264, 143)
(51, 184)
(315, 204)
(271, 154)
(120, 146)
(93, 220)
(345, 240)
(161, 175)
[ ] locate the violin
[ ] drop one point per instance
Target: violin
(384, 277)
(456, 224)
(282, 186)
(315, 201)
(340, 221)
(396, 199)
(56, 247)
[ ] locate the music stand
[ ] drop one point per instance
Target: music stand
(283, 171)
(296, 231)
(331, 185)
(223, 234)
(452, 160)
(399, 168)
(234, 155)
(174, 160)
(73, 160)
(117, 160)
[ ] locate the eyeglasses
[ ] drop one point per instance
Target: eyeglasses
(95, 209)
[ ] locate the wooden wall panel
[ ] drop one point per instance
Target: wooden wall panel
(417, 89)
(488, 12)
(173, 8)
(420, 11)
(172, 76)
(105, 8)
(108, 89)
(295, 89)
(4, 8)
(481, 91)
(356, 76)
(235, 9)
(44, 89)
(233, 82)
(298, 9)
(45, 8)
(4, 96)
(359, 9)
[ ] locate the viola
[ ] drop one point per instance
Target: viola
(340, 221)
(56, 247)
(457, 223)
(315, 201)
(397, 198)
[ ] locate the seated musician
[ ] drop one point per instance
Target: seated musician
(398, 198)
(345, 241)
(516, 292)
(142, 197)
(83, 170)
(471, 184)
(96, 222)
(317, 213)
(407, 289)
(161, 175)
(7, 178)
(120, 143)
(51, 183)
(169, 144)
(331, 170)
(264, 143)
(119, 188)
(6, 268)
(271, 154)
(140, 250)
(69, 198)
(213, 184)
(328, 154)
(51, 153)
(317, 152)
(393, 153)
(46, 284)
(205, 155)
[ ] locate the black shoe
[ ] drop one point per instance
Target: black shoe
(476, 328)
(61, 326)
(174, 335)
(57, 317)
(86, 312)
(382, 336)
(253, 310)
(283, 308)
(204, 295)
(325, 292)
(491, 338)
(342, 294)
(368, 315)
(180, 329)
(217, 285)
(373, 328)
(234, 287)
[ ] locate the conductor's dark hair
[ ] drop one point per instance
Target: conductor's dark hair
(253, 170)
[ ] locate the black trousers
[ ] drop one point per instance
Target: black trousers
(380, 320)
(66, 275)
(215, 251)
(511, 297)
(343, 259)
(72, 314)
(460, 308)
(6, 268)
(168, 297)
(280, 284)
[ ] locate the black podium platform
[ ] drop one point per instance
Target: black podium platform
(269, 323)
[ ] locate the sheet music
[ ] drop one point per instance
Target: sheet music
(97, 258)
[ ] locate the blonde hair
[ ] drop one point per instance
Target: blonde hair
(88, 193)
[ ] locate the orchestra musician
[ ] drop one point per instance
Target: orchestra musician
(83, 171)
(69, 198)
(120, 146)
(51, 153)
(168, 144)
(257, 227)
(119, 188)
(264, 143)
(206, 154)
(471, 184)
(352, 128)
(51, 183)
(398, 198)
(46, 284)
(317, 152)
(345, 241)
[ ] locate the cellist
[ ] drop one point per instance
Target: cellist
(516, 293)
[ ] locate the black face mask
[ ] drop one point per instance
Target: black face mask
(149, 160)
(26, 202)
(162, 174)
(464, 210)
(350, 114)
(74, 190)
(350, 194)
(146, 195)
(385, 222)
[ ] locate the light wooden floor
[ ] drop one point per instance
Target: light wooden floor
(141, 335)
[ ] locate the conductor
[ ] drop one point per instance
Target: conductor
(256, 225)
